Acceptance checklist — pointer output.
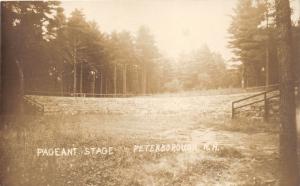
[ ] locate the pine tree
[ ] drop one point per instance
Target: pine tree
(248, 39)
(25, 30)
(148, 57)
(288, 134)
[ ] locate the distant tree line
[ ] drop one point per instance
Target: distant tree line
(90, 61)
(201, 69)
(71, 55)
(44, 51)
(254, 42)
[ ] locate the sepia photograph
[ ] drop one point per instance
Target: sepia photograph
(150, 93)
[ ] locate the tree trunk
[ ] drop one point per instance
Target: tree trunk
(267, 69)
(21, 88)
(137, 84)
(75, 72)
(106, 85)
(115, 79)
(81, 79)
(124, 80)
(288, 134)
(144, 80)
(94, 85)
(101, 83)
(62, 86)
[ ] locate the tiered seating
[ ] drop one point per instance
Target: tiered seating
(210, 106)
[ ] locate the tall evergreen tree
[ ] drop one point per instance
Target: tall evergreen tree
(288, 133)
(202, 69)
(248, 39)
(148, 56)
(25, 32)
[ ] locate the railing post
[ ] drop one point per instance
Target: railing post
(266, 108)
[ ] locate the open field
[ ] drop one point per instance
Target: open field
(247, 151)
(188, 104)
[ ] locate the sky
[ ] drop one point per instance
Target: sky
(178, 26)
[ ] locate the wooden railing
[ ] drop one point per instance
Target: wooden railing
(70, 94)
(265, 100)
(266, 96)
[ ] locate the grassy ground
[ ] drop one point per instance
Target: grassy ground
(247, 153)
